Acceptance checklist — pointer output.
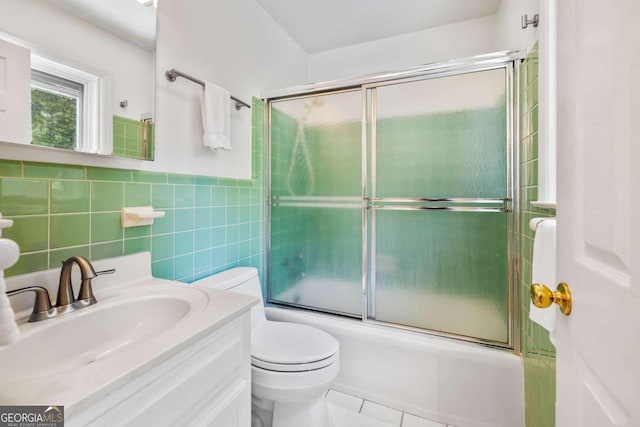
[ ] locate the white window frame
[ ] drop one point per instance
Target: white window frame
(97, 128)
(62, 87)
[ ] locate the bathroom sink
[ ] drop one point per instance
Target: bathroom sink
(90, 335)
(138, 324)
(78, 358)
(85, 358)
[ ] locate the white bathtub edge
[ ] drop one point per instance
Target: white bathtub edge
(473, 385)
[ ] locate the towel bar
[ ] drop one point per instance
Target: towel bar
(173, 74)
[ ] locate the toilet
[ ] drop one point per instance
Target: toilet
(292, 365)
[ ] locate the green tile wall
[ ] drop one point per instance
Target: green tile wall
(128, 138)
(537, 351)
(459, 153)
(211, 224)
(332, 242)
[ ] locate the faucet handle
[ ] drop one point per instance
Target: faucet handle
(85, 295)
(42, 304)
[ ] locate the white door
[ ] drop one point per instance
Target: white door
(598, 345)
(15, 93)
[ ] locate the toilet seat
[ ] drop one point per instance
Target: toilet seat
(293, 367)
(291, 347)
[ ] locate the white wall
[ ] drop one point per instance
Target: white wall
(234, 44)
(53, 33)
(459, 40)
(511, 36)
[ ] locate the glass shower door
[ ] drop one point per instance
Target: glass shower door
(316, 202)
(437, 204)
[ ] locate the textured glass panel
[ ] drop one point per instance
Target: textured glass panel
(316, 146)
(316, 251)
(439, 138)
(444, 271)
(316, 257)
(443, 137)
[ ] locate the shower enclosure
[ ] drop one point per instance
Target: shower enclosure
(392, 198)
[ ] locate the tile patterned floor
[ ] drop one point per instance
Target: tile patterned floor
(351, 411)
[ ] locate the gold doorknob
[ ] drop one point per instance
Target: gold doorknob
(543, 297)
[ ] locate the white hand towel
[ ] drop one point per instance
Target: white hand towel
(216, 117)
(544, 271)
(9, 333)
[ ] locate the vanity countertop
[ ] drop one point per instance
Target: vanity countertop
(139, 321)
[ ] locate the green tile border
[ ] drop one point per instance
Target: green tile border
(108, 174)
(49, 170)
(10, 168)
(154, 177)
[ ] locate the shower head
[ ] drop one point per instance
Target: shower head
(316, 101)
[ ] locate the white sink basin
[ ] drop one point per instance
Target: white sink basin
(90, 335)
(80, 357)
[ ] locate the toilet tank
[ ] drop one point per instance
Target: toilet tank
(242, 280)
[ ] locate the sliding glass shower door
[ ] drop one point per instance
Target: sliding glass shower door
(391, 202)
(316, 202)
(437, 204)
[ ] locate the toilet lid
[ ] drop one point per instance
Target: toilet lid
(284, 346)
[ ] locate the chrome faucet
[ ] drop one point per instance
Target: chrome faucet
(66, 302)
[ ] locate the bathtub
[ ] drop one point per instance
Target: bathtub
(450, 381)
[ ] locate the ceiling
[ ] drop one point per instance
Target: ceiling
(315, 25)
(125, 18)
(318, 26)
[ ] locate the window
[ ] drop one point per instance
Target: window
(56, 110)
(69, 108)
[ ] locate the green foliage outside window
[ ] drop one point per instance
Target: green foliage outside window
(53, 119)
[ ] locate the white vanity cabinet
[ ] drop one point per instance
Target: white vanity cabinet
(207, 383)
(151, 352)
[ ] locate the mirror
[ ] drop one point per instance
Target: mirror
(91, 74)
